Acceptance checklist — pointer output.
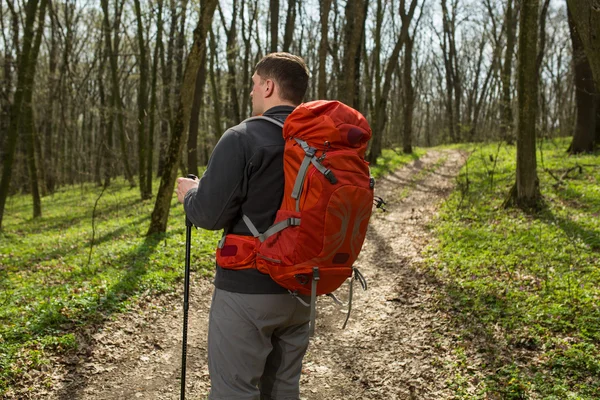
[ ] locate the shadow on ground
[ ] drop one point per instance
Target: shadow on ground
(128, 286)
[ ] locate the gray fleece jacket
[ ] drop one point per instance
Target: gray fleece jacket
(244, 176)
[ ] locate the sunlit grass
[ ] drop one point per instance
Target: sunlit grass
(392, 159)
(54, 278)
(75, 267)
(532, 277)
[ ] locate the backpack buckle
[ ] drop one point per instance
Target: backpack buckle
(316, 275)
(330, 177)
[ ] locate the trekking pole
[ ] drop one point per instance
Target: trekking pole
(186, 296)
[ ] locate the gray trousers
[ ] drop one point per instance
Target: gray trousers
(256, 343)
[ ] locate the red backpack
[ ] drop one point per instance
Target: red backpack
(321, 224)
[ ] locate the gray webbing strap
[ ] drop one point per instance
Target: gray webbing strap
(295, 295)
(359, 277)
(277, 122)
(273, 120)
(363, 282)
(310, 151)
(278, 227)
(251, 226)
(325, 171)
(310, 154)
(304, 145)
(300, 178)
(313, 302)
(309, 158)
(349, 303)
(335, 299)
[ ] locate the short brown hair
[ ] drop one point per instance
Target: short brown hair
(288, 71)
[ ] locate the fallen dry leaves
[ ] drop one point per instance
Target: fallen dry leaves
(398, 343)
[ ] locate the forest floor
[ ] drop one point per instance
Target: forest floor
(398, 344)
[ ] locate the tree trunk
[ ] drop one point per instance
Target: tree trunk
(153, 100)
(542, 40)
(160, 214)
(246, 37)
(116, 100)
(26, 73)
(7, 78)
(167, 75)
(39, 156)
(353, 31)
(274, 10)
(480, 102)
(325, 7)
(585, 96)
(334, 51)
(428, 124)
(192, 143)
(381, 106)
(368, 86)
(106, 122)
(449, 69)
(179, 51)
(408, 89)
(409, 97)
(143, 148)
(474, 105)
(377, 53)
(381, 102)
(356, 100)
(234, 105)
(66, 126)
(457, 80)
(216, 97)
(597, 121)
(47, 161)
(506, 115)
(29, 126)
(290, 24)
(104, 152)
(586, 15)
(526, 194)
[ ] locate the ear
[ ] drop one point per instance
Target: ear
(269, 87)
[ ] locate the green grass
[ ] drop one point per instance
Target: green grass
(525, 288)
(390, 160)
(51, 284)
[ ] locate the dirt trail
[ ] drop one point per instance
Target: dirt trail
(397, 344)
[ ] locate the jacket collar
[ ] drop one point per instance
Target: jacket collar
(279, 110)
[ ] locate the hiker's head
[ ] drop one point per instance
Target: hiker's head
(279, 79)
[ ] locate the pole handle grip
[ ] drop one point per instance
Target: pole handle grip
(187, 220)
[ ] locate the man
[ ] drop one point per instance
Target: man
(258, 332)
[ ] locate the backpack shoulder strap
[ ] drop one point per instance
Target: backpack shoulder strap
(270, 119)
(247, 220)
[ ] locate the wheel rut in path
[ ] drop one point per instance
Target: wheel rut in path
(397, 344)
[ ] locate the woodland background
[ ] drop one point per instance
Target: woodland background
(90, 90)
(103, 103)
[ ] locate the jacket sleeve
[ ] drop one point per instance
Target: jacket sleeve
(216, 203)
